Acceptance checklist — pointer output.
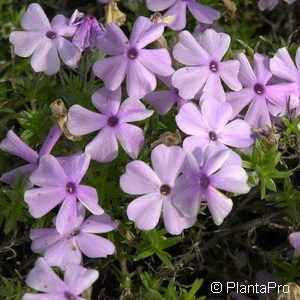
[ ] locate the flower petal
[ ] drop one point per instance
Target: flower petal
(178, 12)
(294, 239)
(98, 224)
(51, 139)
(158, 5)
(204, 14)
(246, 74)
(68, 52)
(145, 211)
(43, 238)
(229, 71)
(61, 25)
(89, 198)
(213, 88)
(104, 147)
(261, 67)
(139, 179)
(18, 173)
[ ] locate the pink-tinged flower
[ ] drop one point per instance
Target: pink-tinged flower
(264, 97)
(130, 59)
(205, 68)
(43, 279)
(156, 185)
(59, 182)
(14, 145)
(294, 239)
(203, 175)
(163, 101)
(270, 4)
(177, 9)
(111, 123)
(89, 31)
(62, 249)
(44, 41)
(211, 125)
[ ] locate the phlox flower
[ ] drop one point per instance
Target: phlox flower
(205, 68)
(156, 185)
(44, 41)
(270, 4)
(130, 59)
(163, 101)
(177, 9)
(211, 125)
(14, 145)
(264, 97)
(294, 239)
(43, 279)
(203, 175)
(59, 181)
(89, 31)
(62, 249)
(111, 123)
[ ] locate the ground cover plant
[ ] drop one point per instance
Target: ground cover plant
(149, 149)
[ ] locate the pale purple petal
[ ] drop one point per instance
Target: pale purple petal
(236, 134)
(94, 246)
(82, 121)
(294, 239)
(139, 179)
(79, 278)
(89, 198)
(190, 80)
(45, 58)
(51, 139)
(178, 11)
(191, 143)
(66, 219)
(104, 147)
(157, 61)
(14, 145)
(76, 165)
(43, 239)
(25, 42)
(61, 25)
(42, 278)
(267, 4)
(261, 68)
(203, 13)
(49, 173)
(158, 5)
(132, 110)
(145, 211)
(229, 73)
(231, 179)
(20, 172)
(35, 18)
(140, 80)
(167, 162)
(213, 88)
(106, 101)
(114, 41)
(48, 296)
(174, 221)
(42, 200)
(298, 59)
(111, 70)
(246, 74)
(283, 66)
(99, 224)
(68, 52)
(218, 204)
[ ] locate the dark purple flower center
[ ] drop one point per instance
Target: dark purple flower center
(71, 187)
(259, 89)
(212, 135)
(51, 34)
(165, 189)
(69, 296)
(204, 181)
(112, 121)
(213, 66)
(75, 232)
(132, 53)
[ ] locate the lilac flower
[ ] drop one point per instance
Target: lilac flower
(283, 66)
(265, 98)
(89, 31)
(177, 8)
(112, 123)
(59, 182)
(14, 145)
(131, 60)
(42, 278)
(270, 4)
(156, 185)
(211, 126)
(294, 239)
(44, 41)
(62, 249)
(205, 69)
(203, 175)
(164, 100)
